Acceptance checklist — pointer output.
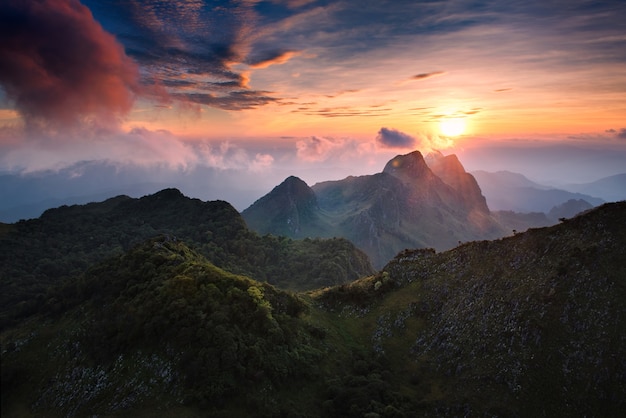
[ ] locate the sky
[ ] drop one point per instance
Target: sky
(250, 92)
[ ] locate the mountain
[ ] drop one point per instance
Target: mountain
(451, 171)
(407, 205)
(514, 192)
(63, 242)
(160, 325)
(294, 207)
(26, 195)
(611, 189)
(529, 325)
(569, 209)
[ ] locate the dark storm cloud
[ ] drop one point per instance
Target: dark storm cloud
(60, 67)
(392, 138)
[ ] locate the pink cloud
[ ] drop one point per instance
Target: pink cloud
(60, 68)
(315, 148)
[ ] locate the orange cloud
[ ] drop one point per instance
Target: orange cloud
(274, 58)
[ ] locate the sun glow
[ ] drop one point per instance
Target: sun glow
(452, 126)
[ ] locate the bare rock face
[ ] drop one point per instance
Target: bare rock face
(449, 169)
(407, 205)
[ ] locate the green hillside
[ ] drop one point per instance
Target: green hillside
(42, 253)
(529, 325)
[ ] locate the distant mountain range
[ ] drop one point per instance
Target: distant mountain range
(505, 190)
(611, 189)
(410, 204)
(28, 195)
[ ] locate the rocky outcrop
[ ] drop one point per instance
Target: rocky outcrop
(407, 205)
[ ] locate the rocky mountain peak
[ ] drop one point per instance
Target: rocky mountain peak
(408, 167)
(285, 210)
(295, 187)
(450, 170)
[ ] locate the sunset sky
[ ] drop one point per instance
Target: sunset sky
(318, 89)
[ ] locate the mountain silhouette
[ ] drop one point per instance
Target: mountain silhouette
(407, 205)
(505, 190)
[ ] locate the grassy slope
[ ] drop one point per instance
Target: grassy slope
(529, 325)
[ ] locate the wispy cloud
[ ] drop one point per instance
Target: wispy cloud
(271, 58)
(193, 47)
(235, 100)
(423, 76)
(137, 147)
(320, 148)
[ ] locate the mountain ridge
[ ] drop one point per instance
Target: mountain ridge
(406, 205)
(505, 190)
(64, 241)
(528, 325)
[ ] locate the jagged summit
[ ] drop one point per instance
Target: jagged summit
(408, 167)
(292, 205)
(408, 205)
(295, 190)
(449, 169)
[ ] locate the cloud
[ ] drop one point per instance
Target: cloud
(271, 58)
(60, 68)
(317, 148)
(235, 100)
(193, 48)
(428, 142)
(311, 109)
(424, 142)
(294, 4)
(622, 133)
(424, 76)
(392, 138)
(139, 147)
(261, 162)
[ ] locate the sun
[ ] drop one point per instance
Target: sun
(452, 126)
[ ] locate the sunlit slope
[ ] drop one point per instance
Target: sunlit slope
(41, 253)
(158, 328)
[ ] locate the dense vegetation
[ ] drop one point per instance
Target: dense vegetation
(529, 325)
(39, 254)
(208, 334)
